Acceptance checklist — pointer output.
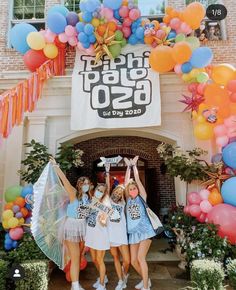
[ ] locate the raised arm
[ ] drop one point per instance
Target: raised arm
(141, 188)
(68, 187)
(108, 183)
(128, 171)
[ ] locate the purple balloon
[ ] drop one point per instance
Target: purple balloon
(16, 208)
(72, 18)
(18, 215)
(232, 139)
(216, 158)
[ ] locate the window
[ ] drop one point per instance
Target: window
(206, 3)
(72, 5)
(152, 9)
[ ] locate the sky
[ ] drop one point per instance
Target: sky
(146, 5)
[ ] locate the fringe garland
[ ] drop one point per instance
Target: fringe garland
(23, 97)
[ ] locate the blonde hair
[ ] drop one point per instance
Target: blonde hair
(131, 182)
(105, 191)
(120, 186)
(79, 185)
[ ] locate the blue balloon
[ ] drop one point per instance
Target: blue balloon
(56, 22)
(82, 37)
(80, 27)
(92, 39)
(14, 244)
(139, 33)
(171, 35)
(89, 29)
(82, 6)
(59, 9)
(217, 158)
(7, 246)
(117, 14)
(133, 39)
(86, 44)
(186, 67)
(229, 155)
(87, 16)
(27, 190)
(112, 4)
(201, 57)
(228, 191)
(92, 5)
(18, 36)
(29, 206)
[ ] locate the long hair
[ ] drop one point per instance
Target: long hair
(131, 182)
(119, 186)
(79, 185)
(105, 192)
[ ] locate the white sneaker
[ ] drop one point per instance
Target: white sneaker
(121, 285)
(126, 276)
(145, 289)
(140, 284)
(101, 287)
(97, 283)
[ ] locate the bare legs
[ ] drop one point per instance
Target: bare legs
(74, 253)
(98, 260)
(125, 253)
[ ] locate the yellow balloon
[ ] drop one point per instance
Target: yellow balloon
(13, 222)
(201, 119)
(203, 131)
(36, 40)
(186, 77)
(223, 73)
(21, 221)
(7, 214)
(5, 225)
(50, 50)
(194, 115)
(95, 22)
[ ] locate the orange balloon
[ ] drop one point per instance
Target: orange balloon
(166, 19)
(193, 14)
(156, 23)
(203, 131)
(8, 205)
(218, 97)
(101, 29)
(20, 201)
(181, 52)
(173, 13)
(110, 33)
(215, 198)
(223, 73)
(24, 212)
(112, 26)
(169, 9)
(161, 59)
(148, 39)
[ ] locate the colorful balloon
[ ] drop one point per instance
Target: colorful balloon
(229, 155)
(161, 59)
(223, 73)
(12, 193)
(201, 57)
(228, 191)
(50, 51)
(16, 233)
(7, 214)
(33, 59)
(205, 206)
(195, 210)
(194, 198)
(181, 52)
(203, 131)
(215, 197)
(204, 194)
(56, 22)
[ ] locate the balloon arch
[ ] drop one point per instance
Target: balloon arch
(102, 29)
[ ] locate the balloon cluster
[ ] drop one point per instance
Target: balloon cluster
(17, 213)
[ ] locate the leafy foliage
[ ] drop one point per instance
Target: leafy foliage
(3, 274)
(35, 161)
(231, 272)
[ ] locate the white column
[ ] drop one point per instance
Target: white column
(36, 129)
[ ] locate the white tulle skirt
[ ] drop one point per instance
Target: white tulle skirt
(74, 230)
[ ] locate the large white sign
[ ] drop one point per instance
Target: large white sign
(120, 93)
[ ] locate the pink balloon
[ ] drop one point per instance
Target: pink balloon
(202, 217)
(126, 31)
(201, 88)
(63, 37)
(231, 86)
(160, 34)
(192, 88)
(222, 141)
(107, 13)
(70, 30)
(73, 41)
(16, 233)
(49, 36)
(194, 198)
(195, 210)
(220, 130)
(186, 209)
(224, 215)
(233, 97)
(42, 32)
(232, 132)
(177, 69)
(127, 22)
(204, 193)
(205, 206)
(124, 11)
(134, 14)
(175, 23)
(185, 28)
(230, 122)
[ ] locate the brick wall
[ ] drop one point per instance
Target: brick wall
(224, 51)
(161, 191)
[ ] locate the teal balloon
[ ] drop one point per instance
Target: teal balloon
(115, 50)
(60, 9)
(56, 22)
(228, 191)
(18, 36)
(12, 193)
(229, 155)
(201, 57)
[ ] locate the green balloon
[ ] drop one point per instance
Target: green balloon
(193, 42)
(180, 37)
(12, 193)
(119, 35)
(124, 42)
(202, 77)
(115, 50)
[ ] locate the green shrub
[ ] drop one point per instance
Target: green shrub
(207, 275)
(3, 274)
(231, 272)
(36, 276)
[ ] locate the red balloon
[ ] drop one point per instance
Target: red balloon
(195, 210)
(232, 86)
(194, 198)
(224, 215)
(67, 267)
(33, 59)
(202, 217)
(83, 263)
(68, 278)
(186, 209)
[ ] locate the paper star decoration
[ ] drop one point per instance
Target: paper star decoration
(192, 102)
(216, 179)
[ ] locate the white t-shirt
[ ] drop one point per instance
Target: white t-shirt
(117, 228)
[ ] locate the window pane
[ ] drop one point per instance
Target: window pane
(206, 3)
(29, 3)
(39, 12)
(149, 7)
(28, 9)
(18, 13)
(72, 5)
(18, 3)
